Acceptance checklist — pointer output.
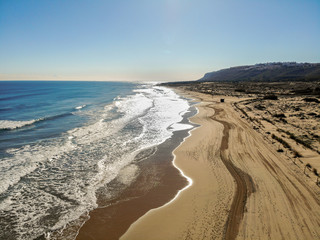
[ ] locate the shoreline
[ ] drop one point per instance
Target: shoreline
(158, 183)
(182, 215)
(242, 188)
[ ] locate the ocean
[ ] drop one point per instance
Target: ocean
(62, 143)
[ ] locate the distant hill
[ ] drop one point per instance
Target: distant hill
(266, 72)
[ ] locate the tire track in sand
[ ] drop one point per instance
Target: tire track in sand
(244, 183)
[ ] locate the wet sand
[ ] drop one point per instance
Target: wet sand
(158, 182)
(242, 187)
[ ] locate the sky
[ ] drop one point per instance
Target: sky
(151, 40)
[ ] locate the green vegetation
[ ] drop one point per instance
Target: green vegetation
(304, 143)
(295, 138)
(286, 145)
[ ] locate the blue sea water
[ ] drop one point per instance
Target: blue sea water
(40, 110)
(61, 143)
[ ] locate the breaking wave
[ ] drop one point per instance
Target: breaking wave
(47, 184)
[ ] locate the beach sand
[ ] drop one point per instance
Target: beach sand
(157, 183)
(242, 187)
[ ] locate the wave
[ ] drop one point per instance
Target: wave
(6, 109)
(8, 125)
(80, 107)
(65, 174)
(11, 125)
(20, 96)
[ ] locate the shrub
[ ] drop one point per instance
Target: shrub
(281, 115)
(240, 90)
(260, 107)
(268, 120)
(309, 99)
(308, 165)
(296, 139)
(296, 154)
(280, 140)
(270, 97)
(304, 143)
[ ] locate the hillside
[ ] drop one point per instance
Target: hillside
(267, 72)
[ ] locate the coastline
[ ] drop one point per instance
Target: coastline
(242, 187)
(158, 182)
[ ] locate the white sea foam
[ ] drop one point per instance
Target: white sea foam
(10, 125)
(128, 173)
(180, 126)
(80, 107)
(62, 175)
(168, 109)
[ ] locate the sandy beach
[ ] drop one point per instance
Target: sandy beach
(243, 188)
(160, 120)
(157, 183)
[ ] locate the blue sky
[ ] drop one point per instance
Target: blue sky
(151, 40)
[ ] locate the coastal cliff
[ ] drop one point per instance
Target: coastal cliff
(266, 72)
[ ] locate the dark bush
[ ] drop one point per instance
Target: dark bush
(240, 90)
(270, 97)
(281, 115)
(296, 154)
(300, 141)
(304, 91)
(268, 120)
(260, 107)
(309, 99)
(280, 140)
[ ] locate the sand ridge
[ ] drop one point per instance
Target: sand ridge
(268, 200)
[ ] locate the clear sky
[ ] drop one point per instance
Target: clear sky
(151, 40)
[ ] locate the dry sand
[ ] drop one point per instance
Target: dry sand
(242, 187)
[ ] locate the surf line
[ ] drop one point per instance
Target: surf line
(189, 180)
